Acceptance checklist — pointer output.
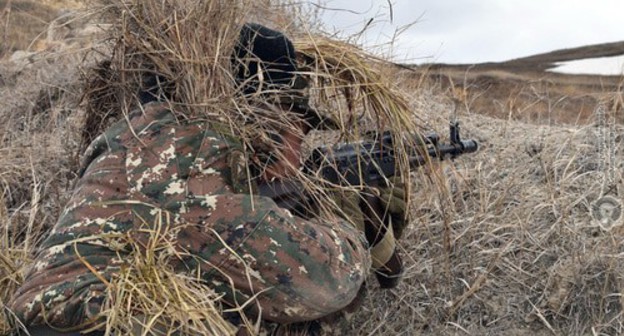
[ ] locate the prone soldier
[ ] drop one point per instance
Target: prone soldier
(153, 166)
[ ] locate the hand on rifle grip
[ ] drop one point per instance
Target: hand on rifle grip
(394, 199)
(380, 235)
(240, 179)
(348, 201)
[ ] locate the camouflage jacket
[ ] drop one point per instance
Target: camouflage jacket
(153, 163)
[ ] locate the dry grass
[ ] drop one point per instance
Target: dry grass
(502, 242)
(527, 95)
(64, 4)
(510, 247)
(22, 23)
(149, 296)
(40, 120)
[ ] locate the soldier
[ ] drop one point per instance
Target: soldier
(153, 165)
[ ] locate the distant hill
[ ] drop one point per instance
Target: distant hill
(523, 88)
(541, 62)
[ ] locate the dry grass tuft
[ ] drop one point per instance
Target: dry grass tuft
(186, 44)
(149, 296)
(351, 88)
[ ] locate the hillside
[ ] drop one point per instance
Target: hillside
(524, 89)
(543, 62)
(508, 241)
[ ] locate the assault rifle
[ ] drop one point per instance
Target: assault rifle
(364, 163)
(368, 163)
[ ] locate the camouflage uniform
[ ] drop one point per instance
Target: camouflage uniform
(305, 269)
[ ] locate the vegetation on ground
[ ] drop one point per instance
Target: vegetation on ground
(502, 242)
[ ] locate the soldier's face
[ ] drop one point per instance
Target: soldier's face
(287, 152)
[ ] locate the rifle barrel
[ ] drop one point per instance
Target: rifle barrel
(366, 163)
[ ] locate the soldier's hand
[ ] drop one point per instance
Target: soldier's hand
(394, 201)
(369, 212)
(348, 202)
(240, 178)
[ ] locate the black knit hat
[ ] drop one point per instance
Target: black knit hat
(265, 65)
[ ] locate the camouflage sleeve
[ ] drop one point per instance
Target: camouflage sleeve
(301, 270)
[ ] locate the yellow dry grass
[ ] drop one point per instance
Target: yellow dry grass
(64, 4)
(149, 296)
(22, 24)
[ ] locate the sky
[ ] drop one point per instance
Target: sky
(475, 31)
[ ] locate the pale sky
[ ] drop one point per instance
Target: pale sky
(474, 31)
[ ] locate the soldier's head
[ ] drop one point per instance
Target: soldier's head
(265, 67)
